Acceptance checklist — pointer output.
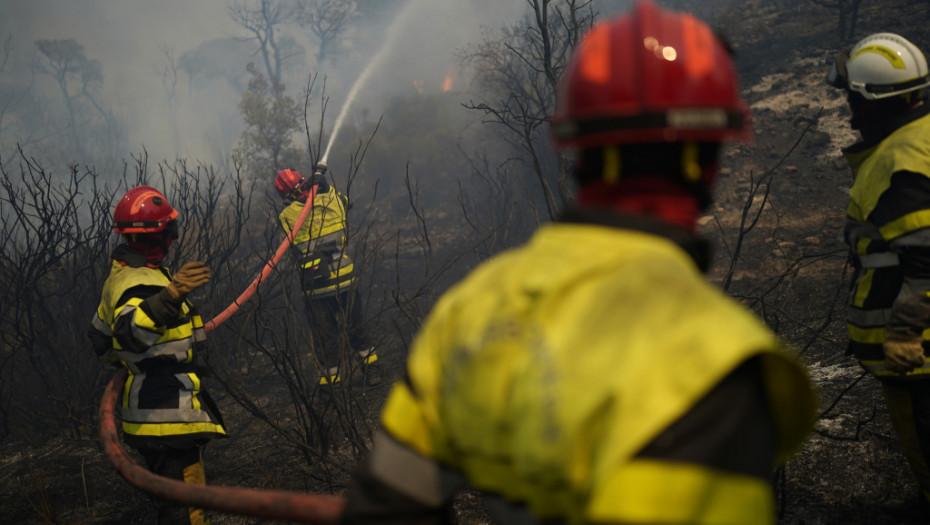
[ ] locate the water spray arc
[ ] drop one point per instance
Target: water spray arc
(383, 52)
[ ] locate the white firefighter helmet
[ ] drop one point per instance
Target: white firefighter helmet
(880, 66)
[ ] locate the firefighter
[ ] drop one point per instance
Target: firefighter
(886, 82)
(327, 273)
(146, 323)
(593, 375)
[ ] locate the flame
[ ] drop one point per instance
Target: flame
(448, 82)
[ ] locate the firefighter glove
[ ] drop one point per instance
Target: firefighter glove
(192, 275)
(902, 356)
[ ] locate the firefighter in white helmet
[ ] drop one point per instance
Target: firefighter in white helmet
(886, 80)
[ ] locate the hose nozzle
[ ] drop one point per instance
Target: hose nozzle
(321, 168)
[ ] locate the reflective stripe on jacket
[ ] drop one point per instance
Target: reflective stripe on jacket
(162, 395)
(545, 372)
(876, 247)
(326, 268)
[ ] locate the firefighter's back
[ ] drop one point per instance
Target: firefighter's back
(552, 365)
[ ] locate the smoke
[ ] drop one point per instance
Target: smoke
(431, 34)
(130, 39)
(174, 70)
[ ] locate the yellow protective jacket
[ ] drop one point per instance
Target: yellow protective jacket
(326, 268)
(546, 371)
(886, 230)
(162, 396)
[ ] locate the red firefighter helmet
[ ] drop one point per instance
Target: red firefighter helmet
(288, 182)
(143, 209)
(652, 75)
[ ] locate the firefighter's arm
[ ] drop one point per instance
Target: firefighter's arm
(903, 217)
(143, 315)
(397, 485)
(910, 315)
(714, 463)
(401, 481)
(101, 340)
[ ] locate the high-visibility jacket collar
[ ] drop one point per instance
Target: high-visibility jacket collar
(698, 248)
(859, 151)
(126, 255)
(904, 150)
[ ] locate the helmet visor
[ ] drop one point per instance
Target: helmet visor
(883, 90)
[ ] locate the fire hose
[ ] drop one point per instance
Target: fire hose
(268, 268)
(268, 504)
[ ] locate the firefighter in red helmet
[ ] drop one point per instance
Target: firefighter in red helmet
(146, 323)
(327, 275)
(593, 375)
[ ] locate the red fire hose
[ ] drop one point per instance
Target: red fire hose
(268, 504)
(268, 268)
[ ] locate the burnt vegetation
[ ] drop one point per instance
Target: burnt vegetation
(438, 182)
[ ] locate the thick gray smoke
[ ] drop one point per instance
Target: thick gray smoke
(174, 70)
(132, 41)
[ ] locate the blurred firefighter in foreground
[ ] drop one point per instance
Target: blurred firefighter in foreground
(593, 375)
(886, 82)
(327, 274)
(146, 323)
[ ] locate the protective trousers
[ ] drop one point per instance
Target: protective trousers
(909, 406)
(184, 464)
(332, 318)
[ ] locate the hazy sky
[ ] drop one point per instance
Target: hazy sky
(127, 37)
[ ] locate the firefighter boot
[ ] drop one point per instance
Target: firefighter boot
(371, 367)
